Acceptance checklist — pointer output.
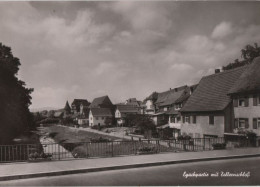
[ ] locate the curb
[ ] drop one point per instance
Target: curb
(88, 170)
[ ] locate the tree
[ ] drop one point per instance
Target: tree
(248, 54)
(15, 99)
(67, 108)
(143, 122)
(109, 121)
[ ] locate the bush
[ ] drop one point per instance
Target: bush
(100, 139)
(53, 134)
(217, 146)
(49, 120)
(79, 152)
(184, 137)
(96, 127)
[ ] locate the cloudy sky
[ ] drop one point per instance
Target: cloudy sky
(122, 49)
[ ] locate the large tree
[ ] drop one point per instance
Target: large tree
(248, 54)
(15, 117)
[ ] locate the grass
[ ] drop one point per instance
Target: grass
(68, 135)
(78, 143)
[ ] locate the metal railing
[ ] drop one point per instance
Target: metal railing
(37, 152)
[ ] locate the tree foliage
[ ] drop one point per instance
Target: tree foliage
(15, 99)
(248, 54)
(143, 122)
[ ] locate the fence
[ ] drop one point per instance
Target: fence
(36, 152)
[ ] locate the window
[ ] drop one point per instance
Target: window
(211, 120)
(103, 118)
(172, 120)
(191, 135)
(90, 118)
(256, 123)
(194, 120)
(96, 118)
(187, 119)
(241, 123)
(165, 108)
(241, 102)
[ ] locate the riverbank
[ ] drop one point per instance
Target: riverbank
(63, 134)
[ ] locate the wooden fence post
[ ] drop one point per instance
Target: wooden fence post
(112, 149)
(58, 151)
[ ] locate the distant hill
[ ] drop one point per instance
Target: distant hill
(43, 108)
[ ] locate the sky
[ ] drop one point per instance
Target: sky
(122, 49)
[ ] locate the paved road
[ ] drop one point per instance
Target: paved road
(159, 175)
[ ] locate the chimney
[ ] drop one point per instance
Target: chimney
(170, 88)
(176, 89)
(217, 71)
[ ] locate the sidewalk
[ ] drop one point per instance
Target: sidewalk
(13, 171)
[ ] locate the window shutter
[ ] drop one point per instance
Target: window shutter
(183, 119)
(255, 123)
(235, 102)
(247, 124)
(246, 102)
(254, 100)
(194, 119)
(236, 123)
(189, 119)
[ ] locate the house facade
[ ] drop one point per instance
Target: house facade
(245, 95)
(122, 111)
(100, 116)
(209, 110)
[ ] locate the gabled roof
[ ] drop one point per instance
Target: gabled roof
(133, 102)
(78, 102)
(67, 107)
(103, 101)
(106, 112)
(170, 97)
(127, 109)
(211, 93)
(249, 81)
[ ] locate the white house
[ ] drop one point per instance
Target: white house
(208, 111)
(122, 111)
(99, 116)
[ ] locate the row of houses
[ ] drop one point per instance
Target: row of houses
(101, 111)
(219, 105)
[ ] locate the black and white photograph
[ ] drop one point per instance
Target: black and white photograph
(129, 93)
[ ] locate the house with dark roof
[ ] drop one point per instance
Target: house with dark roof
(134, 102)
(122, 111)
(75, 105)
(165, 105)
(245, 94)
(209, 110)
(100, 116)
(102, 102)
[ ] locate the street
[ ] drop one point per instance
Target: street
(177, 174)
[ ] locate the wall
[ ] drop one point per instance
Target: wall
(117, 114)
(249, 112)
(202, 126)
(149, 107)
